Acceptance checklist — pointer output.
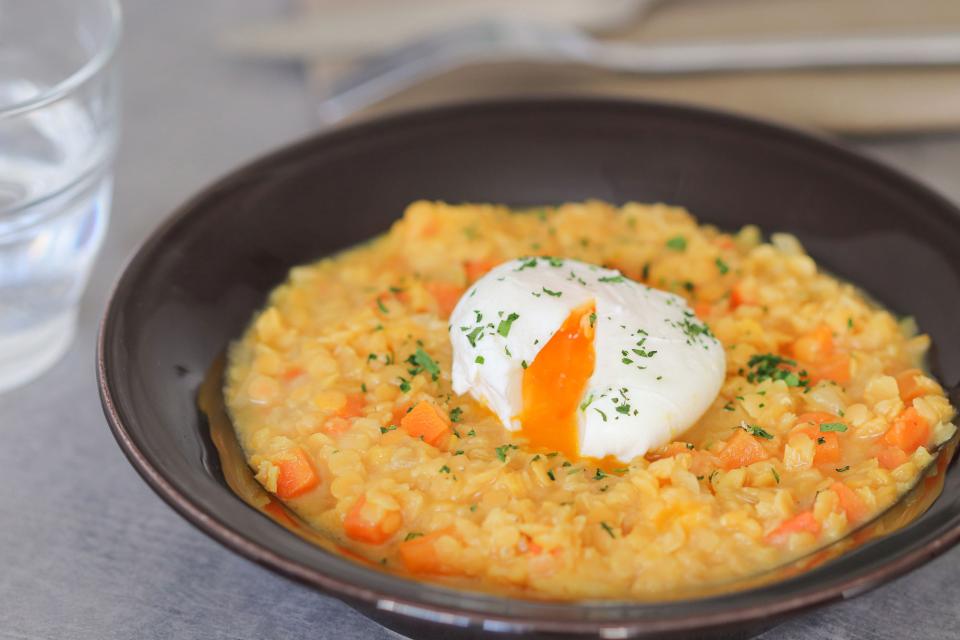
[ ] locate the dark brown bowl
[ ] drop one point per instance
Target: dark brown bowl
(196, 281)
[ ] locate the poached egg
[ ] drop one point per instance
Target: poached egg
(582, 360)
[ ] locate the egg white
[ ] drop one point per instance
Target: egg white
(657, 367)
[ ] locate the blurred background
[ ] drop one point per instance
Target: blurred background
(849, 66)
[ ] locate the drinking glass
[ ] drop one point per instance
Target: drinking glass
(58, 133)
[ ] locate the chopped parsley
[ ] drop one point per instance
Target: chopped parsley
(455, 414)
(754, 430)
(612, 279)
(722, 266)
(729, 407)
(479, 360)
(602, 414)
(826, 427)
(695, 330)
(475, 335)
(842, 469)
(422, 361)
(523, 363)
(391, 427)
(412, 535)
(444, 469)
(503, 450)
(608, 529)
(677, 243)
(404, 385)
(624, 409)
(776, 476)
(599, 475)
(769, 366)
(529, 263)
(382, 306)
(593, 319)
(504, 327)
(555, 262)
(821, 440)
(551, 476)
(551, 292)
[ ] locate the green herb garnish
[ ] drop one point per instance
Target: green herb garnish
(502, 451)
(826, 427)
(422, 361)
(754, 430)
(504, 327)
(677, 243)
(769, 366)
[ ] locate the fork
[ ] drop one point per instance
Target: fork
(511, 41)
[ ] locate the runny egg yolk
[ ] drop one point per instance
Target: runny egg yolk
(554, 383)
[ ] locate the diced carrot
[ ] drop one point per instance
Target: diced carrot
(909, 431)
(817, 351)
(741, 450)
(743, 293)
(891, 457)
(428, 422)
(446, 294)
(476, 269)
(799, 523)
(850, 502)
(354, 406)
(400, 411)
(292, 372)
(702, 309)
(828, 449)
(296, 474)
(907, 384)
(814, 346)
(430, 227)
(835, 368)
(419, 555)
(370, 523)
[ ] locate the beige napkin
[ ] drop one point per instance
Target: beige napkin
(849, 101)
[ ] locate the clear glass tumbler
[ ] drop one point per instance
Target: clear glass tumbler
(58, 133)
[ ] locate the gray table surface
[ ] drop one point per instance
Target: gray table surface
(86, 549)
